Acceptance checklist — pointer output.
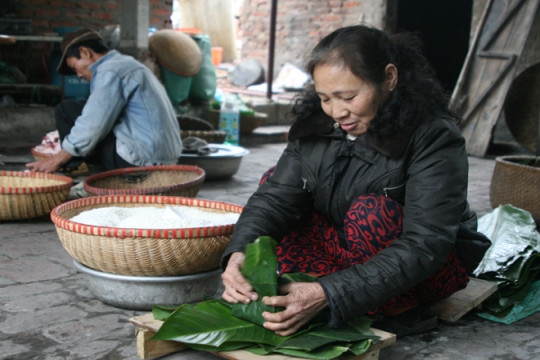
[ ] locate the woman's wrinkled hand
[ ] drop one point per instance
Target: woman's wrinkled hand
(237, 288)
(302, 302)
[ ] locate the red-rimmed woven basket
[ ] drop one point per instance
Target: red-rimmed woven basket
(26, 195)
(170, 180)
(143, 252)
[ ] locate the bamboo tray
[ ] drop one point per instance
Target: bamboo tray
(138, 251)
(27, 195)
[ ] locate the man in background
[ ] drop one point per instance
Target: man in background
(128, 119)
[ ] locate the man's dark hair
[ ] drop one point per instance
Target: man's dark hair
(98, 46)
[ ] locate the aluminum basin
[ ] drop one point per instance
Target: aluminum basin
(142, 292)
(223, 163)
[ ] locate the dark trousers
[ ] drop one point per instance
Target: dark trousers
(105, 152)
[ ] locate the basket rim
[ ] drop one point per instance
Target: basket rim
(24, 190)
(142, 191)
(116, 200)
(209, 132)
(505, 159)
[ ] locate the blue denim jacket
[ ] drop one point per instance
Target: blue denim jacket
(128, 99)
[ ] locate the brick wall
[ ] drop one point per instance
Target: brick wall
(46, 15)
(300, 24)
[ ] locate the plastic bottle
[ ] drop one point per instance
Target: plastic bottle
(229, 119)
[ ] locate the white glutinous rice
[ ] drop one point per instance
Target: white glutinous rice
(150, 217)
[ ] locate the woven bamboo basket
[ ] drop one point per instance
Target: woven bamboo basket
(213, 136)
(188, 122)
(197, 127)
(248, 122)
(26, 195)
(516, 181)
(171, 180)
(143, 252)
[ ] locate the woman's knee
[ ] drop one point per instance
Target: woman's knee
(374, 221)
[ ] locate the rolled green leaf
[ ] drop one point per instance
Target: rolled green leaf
(260, 269)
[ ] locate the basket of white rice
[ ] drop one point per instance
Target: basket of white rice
(26, 194)
(146, 235)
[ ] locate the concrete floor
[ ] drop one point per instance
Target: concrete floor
(47, 311)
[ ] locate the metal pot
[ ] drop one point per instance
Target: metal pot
(142, 292)
(220, 164)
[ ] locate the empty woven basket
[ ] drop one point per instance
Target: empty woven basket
(516, 181)
(177, 180)
(143, 252)
(26, 195)
(192, 126)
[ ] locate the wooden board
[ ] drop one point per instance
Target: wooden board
(458, 304)
(147, 348)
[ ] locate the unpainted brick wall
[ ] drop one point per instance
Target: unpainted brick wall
(45, 15)
(300, 24)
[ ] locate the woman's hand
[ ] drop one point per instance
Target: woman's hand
(302, 302)
(50, 164)
(237, 288)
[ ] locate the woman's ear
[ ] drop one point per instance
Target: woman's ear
(391, 77)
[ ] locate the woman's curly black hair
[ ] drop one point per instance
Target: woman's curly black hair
(366, 52)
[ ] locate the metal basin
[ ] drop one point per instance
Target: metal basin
(219, 165)
(142, 292)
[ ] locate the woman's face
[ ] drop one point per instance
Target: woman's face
(349, 100)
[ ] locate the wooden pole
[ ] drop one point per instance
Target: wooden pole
(270, 77)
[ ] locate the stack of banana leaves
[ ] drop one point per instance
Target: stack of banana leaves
(216, 325)
(513, 262)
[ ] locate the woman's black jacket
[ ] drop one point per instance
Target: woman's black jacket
(427, 172)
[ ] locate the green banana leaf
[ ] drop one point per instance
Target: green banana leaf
(330, 352)
(324, 353)
(162, 312)
(209, 326)
(355, 330)
(260, 269)
(210, 323)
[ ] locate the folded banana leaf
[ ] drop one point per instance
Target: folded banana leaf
(513, 260)
(211, 326)
(514, 238)
(260, 269)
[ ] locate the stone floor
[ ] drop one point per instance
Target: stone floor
(47, 311)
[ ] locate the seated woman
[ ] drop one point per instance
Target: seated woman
(370, 194)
